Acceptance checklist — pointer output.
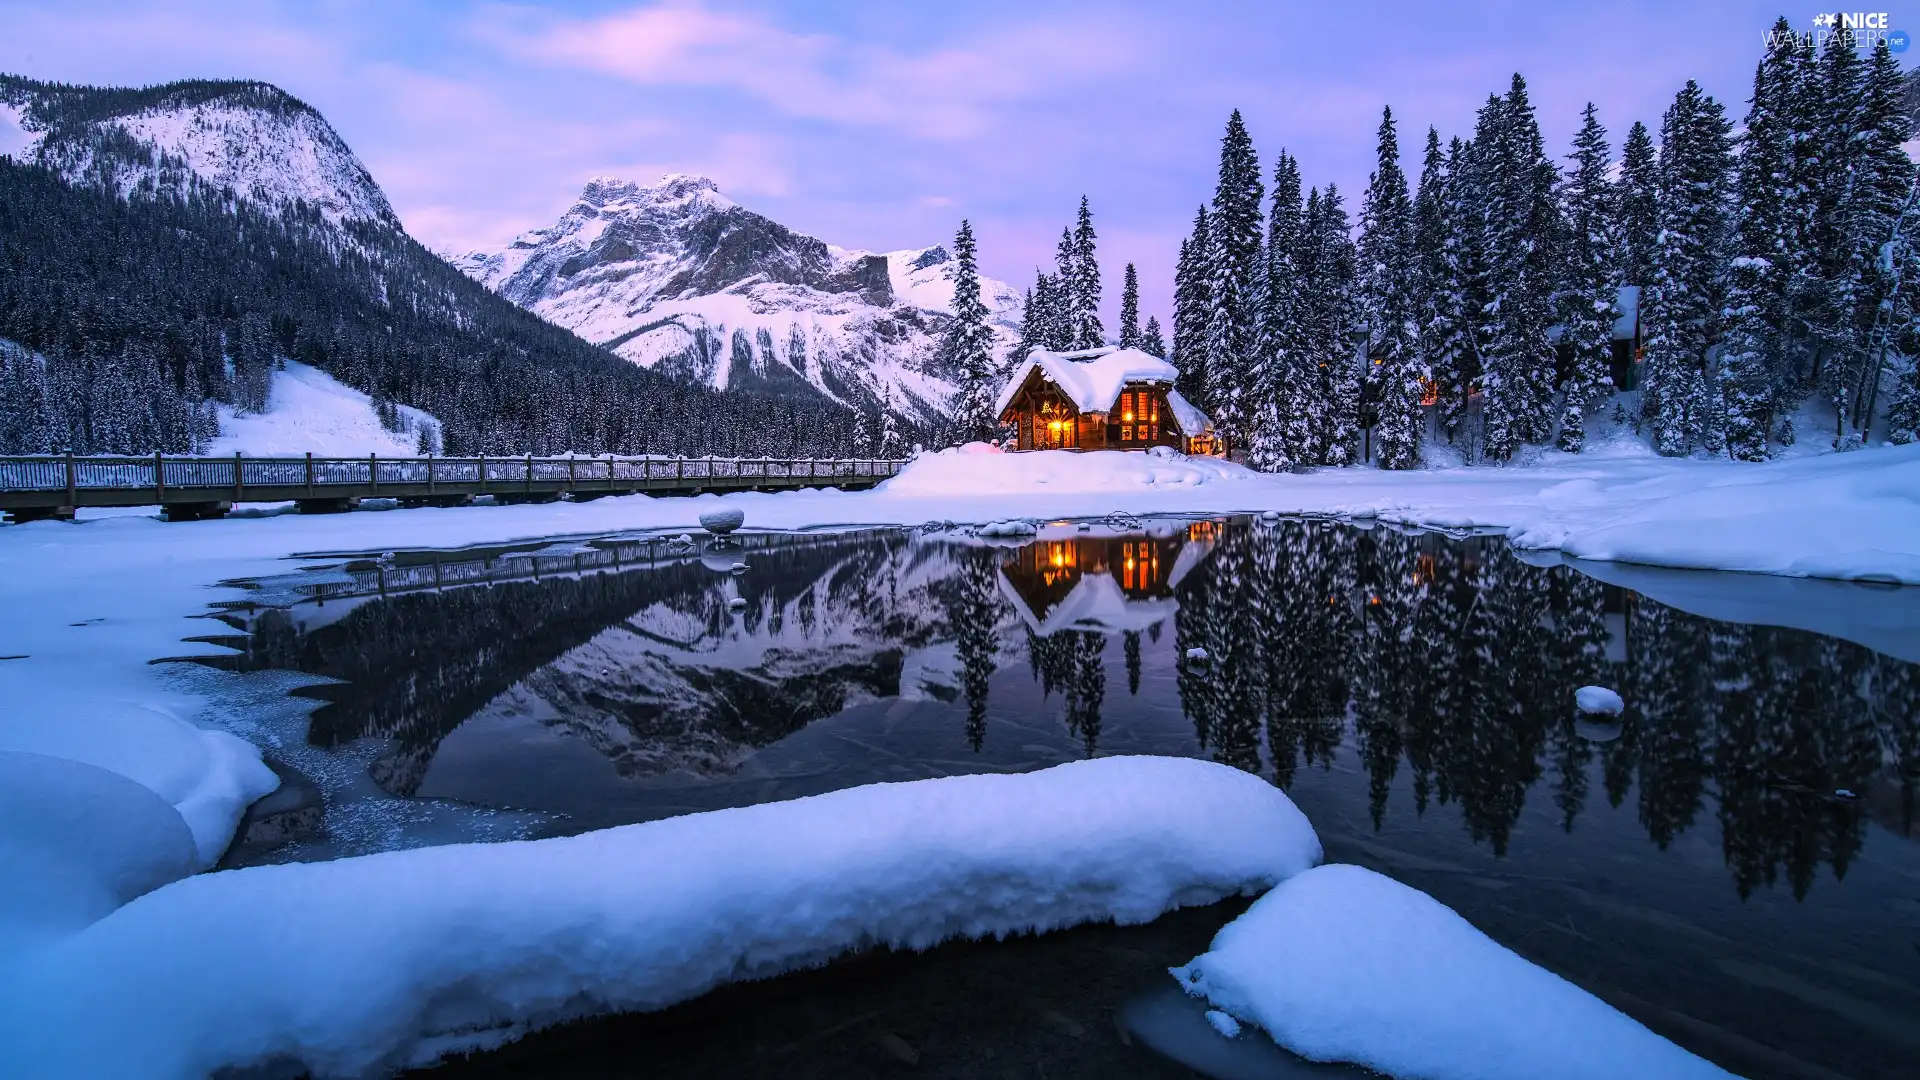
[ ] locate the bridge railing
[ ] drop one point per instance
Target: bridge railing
(41, 473)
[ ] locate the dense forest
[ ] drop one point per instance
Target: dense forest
(1752, 271)
(134, 315)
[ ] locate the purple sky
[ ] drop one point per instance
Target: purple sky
(880, 125)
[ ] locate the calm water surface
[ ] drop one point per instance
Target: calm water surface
(1734, 862)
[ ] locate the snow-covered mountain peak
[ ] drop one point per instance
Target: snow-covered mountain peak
(251, 138)
(674, 272)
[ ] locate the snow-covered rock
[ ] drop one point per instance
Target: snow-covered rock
(1598, 700)
(251, 138)
(724, 520)
(1343, 964)
(1014, 529)
(676, 275)
(406, 956)
(1198, 655)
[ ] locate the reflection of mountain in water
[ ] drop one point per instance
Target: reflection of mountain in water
(1445, 668)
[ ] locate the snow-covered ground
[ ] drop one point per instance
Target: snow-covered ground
(360, 965)
(311, 412)
(1343, 964)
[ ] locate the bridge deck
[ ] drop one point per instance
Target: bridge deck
(38, 487)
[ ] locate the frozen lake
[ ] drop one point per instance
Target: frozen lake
(1732, 861)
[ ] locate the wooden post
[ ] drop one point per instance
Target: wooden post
(436, 565)
(483, 474)
(373, 475)
(679, 471)
(570, 480)
(159, 479)
(309, 473)
(239, 483)
(529, 473)
(71, 481)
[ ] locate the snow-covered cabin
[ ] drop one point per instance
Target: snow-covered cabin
(1106, 582)
(1101, 399)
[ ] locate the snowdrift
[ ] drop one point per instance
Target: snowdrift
(1343, 964)
(367, 964)
(311, 412)
(979, 469)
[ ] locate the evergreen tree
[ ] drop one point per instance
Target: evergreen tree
(1458, 291)
(1754, 357)
(1130, 309)
(1192, 309)
(1830, 301)
(1232, 254)
(1386, 304)
(1323, 419)
(1638, 206)
(1679, 307)
(1151, 341)
(1519, 226)
(968, 347)
(1270, 446)
(1081, 270)
(1592, 279)
(1882, 180)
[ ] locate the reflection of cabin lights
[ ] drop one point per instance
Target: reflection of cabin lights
(1057, 560)
(1373, 600)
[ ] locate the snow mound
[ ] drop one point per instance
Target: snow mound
(1343, 964)
(1598, 700)
(1060, 472)
(78, 841)
(724, 520)
(1007, 530)
(310, 411)
(405, 956)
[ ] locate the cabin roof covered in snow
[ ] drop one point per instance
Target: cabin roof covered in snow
(1093, 378)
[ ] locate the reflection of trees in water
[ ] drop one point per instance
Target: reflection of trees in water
(972, 601)
(1068, 662)
(1460, 661)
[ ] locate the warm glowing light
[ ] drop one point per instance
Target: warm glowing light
(1127, 417)
(1374, 600)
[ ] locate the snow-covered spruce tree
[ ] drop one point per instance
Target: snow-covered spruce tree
(1083, 280)
(1336, 329)
(969, 347)
(1695, 161)
(1459, 296)
(1520, 225)
(1130, 309)
(1830, 304)
(1233, 257)
(1429, 270)
(1754, 354)
(1152, 342)
(1309, 407)
(1268, 446)
(1804, 109)
(1192, 310)
(1883, 178)
(1637, 205)
(1386, 291)
(1591, 282)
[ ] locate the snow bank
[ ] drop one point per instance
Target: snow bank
(1833, 516)
(366, 964)
(1064, 472)
(311, 412)
(78, 841)
(1343, 964)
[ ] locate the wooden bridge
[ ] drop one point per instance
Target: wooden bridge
(33, 488)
